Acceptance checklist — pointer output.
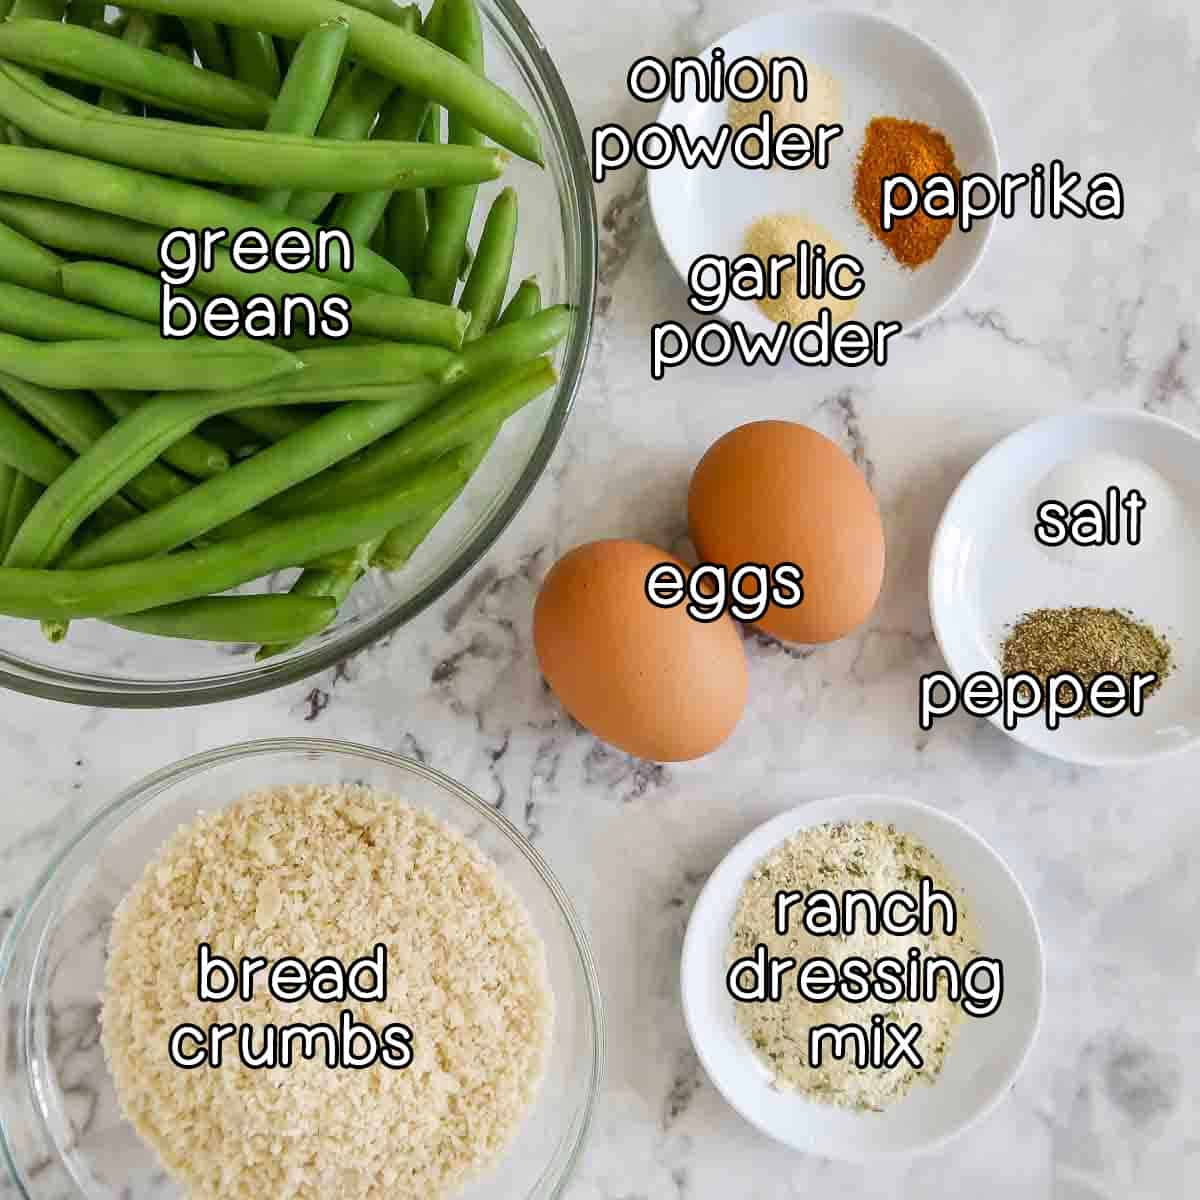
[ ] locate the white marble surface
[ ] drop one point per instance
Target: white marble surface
(1060, 315)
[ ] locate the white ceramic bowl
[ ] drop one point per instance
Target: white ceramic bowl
(987, 570)
(884, 70)
(987, 1054)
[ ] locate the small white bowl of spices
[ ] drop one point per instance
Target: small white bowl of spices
(863, 977)
(900, 107)
(1071, 552)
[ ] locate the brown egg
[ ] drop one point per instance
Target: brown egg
(651, 681)
(773, 492)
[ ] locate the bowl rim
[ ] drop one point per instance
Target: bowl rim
(80, 687)
(782, 826)
(136, 797)
(992, 167)
(939, 553)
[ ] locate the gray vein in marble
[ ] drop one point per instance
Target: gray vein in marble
(993, 320)
(622, 224)
(1171, 382)
(1143, 1084)
(411, 748)
(317, 701)
(632, 777)
(757, 640)
(480, 584)
(687, 1082)
(844, 402)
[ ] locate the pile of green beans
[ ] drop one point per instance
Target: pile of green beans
(143, 477)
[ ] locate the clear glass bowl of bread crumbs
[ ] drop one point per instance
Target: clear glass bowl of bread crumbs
(475, 996)
(100, 664)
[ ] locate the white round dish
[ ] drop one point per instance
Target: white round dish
(987, 1054)
(884, 70)
(987, 569)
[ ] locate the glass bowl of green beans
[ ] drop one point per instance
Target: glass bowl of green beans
(158, 659)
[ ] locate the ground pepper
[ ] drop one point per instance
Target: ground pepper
(896, 147)
(1085, 642)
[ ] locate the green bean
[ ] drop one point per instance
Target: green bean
(104, 469)
(235, 618)
(394, 317)
(305, 94)
(407, 58)
(25, 262)
(396, 550)
(523, 339)
(74, 418)
(209, 43)
(432, 28)
(141, 31)
(236, 440)
(487, 285)
(431, 135)
(8, 483)
(254, 60)
(79, 422)
(460, 33)
(526, 303)
(176, 52)
(45, 318)
(272, 424)
(361, 214)
(327, 441)
(397, 318)
(466, 415)
(39, 10)
(86, 12)
(119, 289)
(21, 500)
(407, 229)
(31, 452)
(42, 10)
(515, 342)
(55, 631)
(191, 454)
(388, 10)
(189, 575)
(84, 55)
(526, 337)
(349, 118)
(27, 449)
(334, 586)
(90, 14)
(342, 368)
(238, 157)
(145, 364)
(167, 203)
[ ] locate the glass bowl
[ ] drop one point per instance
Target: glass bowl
(101, 665)
(61, 1132)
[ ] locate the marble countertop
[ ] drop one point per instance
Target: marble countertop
(1060, 315)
